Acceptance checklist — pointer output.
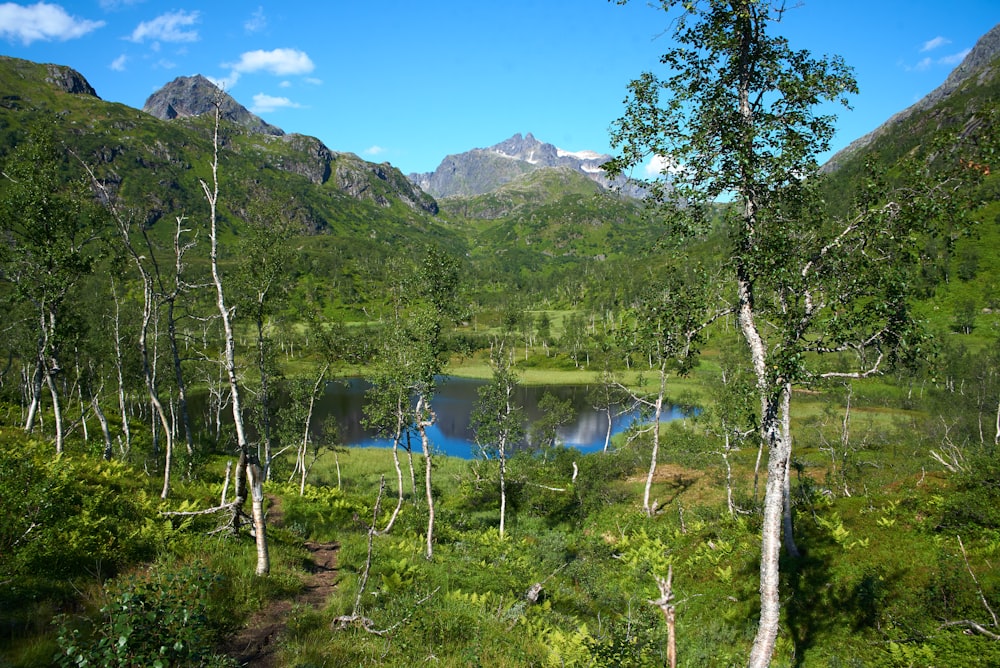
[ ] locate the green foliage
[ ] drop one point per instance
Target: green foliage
(158, 619)
(66, 516)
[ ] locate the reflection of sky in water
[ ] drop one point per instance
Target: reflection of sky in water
(453, 403)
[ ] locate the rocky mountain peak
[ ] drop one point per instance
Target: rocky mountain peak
(483, 170)
(185, 97)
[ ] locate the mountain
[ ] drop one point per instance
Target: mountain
(154, 158)
(185, 97)
(483, 170)
(954, 126)
(977, 68)
(533, 189)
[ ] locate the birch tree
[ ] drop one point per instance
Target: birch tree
(247, 465)
(258, 283)
(412, 363)
(497, 420)
(667, 327)
(48, 224)
(388, 410)
(735, 117)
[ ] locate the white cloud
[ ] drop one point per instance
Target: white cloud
(285, 84)
(280, 62)
(169, 27)
(256, 22)
(932, 44)
(660, 164)
(42, 21)
(374, 150)
(923, 64)
(314, 81)
(263, 103)
(118, 64)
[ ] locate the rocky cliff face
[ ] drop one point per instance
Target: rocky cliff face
(63, 78)
(185, 97)
(69, 80)
(483, 170)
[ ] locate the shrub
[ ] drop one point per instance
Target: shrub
(62, 516)
(157, 619)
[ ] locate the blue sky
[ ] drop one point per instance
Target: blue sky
(409, 82)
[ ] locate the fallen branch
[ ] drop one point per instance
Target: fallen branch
(189, 513)
(974, 626)
(342, 622)
(535, 590)
(979, 589)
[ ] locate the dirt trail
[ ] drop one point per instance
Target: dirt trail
(256, 644)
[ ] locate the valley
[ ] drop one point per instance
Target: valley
(205, 317)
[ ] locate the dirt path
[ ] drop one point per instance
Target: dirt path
(256, 644)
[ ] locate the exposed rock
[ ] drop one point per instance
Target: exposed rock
(379, 183)
(483, 170)
(316, 158)
(69, 80)
(185, 97)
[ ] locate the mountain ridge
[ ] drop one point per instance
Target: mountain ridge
(976, 63)
(483, 170)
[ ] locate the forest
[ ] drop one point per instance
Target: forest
(176, 300)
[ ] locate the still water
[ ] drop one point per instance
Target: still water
(454, 402)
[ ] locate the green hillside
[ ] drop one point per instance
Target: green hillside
(960, 271)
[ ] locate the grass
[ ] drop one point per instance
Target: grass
(878, 570)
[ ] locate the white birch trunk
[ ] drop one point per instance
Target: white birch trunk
(108, 447)
(657, 412)
(56, 411)
(229, 362)
(786, 505)
(425, 443)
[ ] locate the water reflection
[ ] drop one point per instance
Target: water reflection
(454, 402)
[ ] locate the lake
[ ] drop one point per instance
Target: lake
(454, 402)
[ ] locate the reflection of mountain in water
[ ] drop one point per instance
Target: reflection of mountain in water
(453, 403)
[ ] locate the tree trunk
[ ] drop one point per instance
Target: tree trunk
(770, 433)
(265, 403)
(770, 604)
(245, 467)
(409, 457)
(399, 471)
(106, 454)
(181, 387)
(729, 477)
(607, 435)
(657, 412)
(256, 479)
(35, 389)
(56, 410)
(422, 424)
(503, 488)
(786, 506)
(122, 405)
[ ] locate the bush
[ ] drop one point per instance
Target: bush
(157, 619)
(975, 502)
(62, 516)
